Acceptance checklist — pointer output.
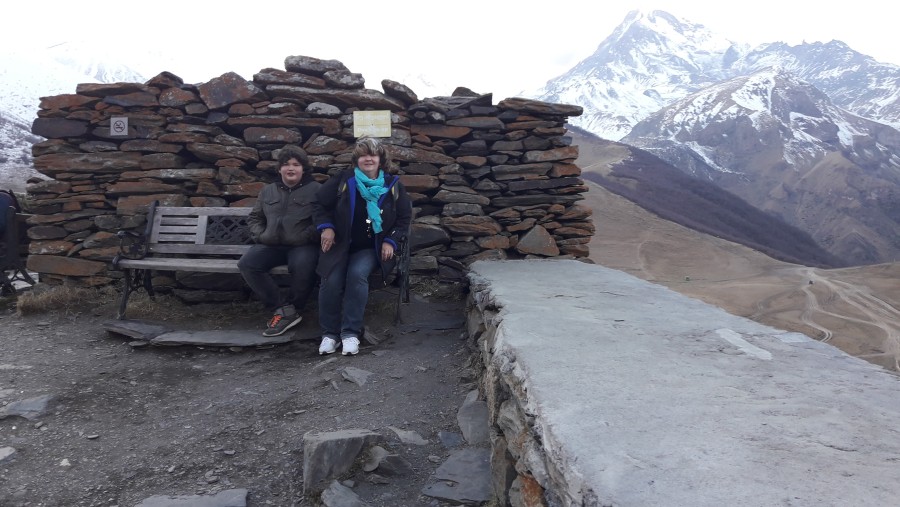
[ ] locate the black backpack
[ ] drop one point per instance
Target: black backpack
(7, 200)
(13, 201)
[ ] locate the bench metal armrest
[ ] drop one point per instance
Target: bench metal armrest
(132, 245)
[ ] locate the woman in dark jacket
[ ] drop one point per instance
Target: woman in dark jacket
(363, 214)
(284, 231)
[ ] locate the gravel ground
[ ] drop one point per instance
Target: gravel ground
(123, 423)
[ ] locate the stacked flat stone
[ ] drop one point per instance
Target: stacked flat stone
(487, 181)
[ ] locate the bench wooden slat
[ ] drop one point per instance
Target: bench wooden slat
(201, 231)
(201, 265)
(215, 211)
(170, 220)
(180, 229)
(179, 238)
(186, 248)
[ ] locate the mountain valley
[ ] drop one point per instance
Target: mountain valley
(856, 309)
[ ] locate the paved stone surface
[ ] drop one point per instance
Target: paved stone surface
(647, 397)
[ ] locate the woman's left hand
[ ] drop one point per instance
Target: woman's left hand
(387, 252)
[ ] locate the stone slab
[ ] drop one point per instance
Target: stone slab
(643, 396)
(464, 478)
(220, 338)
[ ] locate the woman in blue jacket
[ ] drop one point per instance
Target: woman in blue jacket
(363, 215)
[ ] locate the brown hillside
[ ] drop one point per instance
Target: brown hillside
(855, 309)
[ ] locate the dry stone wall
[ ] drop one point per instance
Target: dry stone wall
(487, 181)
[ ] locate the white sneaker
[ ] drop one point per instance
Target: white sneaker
(328, 345)
(350, 346)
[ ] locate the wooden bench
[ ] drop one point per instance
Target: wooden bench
(203, 239)
(12, 262)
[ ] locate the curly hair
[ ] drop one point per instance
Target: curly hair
(371, 146)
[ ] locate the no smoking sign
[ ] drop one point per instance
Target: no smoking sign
(118, 126)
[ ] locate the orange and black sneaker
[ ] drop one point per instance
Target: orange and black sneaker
(283, 319)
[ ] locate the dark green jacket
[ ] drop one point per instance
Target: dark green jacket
(284, 216)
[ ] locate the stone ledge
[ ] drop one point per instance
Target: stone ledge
(604, 389)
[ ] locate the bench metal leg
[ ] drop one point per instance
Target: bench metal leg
(6, 286)
(126, 291)
(6, 281)
(403, 273)
(134, 280)
(25, 276)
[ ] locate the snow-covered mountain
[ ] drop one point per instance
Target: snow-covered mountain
(649, 61)
(654, 58)
(783, 145)
(807, 132)
(852, 80)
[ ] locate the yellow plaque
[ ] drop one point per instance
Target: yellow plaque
(372, 123)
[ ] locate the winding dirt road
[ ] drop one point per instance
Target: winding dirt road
(853, 309)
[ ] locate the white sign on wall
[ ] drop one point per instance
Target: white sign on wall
(372, 123)
(118, 126)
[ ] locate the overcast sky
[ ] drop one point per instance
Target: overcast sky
(502, 47)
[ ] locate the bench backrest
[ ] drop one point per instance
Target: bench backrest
(201, 231)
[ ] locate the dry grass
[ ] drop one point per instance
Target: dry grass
(63, 298)
(71, 300)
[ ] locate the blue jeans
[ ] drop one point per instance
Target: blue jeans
(301, 262)
(347, 289)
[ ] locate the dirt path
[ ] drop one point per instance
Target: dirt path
(854, 309)
(875, 311)
(125, 423)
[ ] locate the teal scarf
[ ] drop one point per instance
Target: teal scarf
(371, 190)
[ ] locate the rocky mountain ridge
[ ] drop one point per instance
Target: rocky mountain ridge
(654, 58)
(807, 133)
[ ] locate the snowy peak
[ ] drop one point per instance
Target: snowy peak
(654, 58)
(781, 144)
(730, 124)
(854, 81)
(651, 59)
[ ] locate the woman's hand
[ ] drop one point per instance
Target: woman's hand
(327, 239)
(387, 252)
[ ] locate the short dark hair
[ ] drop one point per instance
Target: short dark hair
(371, 146)
(290, 151)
